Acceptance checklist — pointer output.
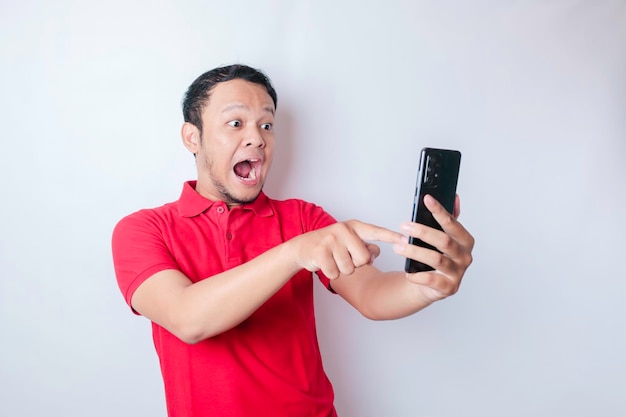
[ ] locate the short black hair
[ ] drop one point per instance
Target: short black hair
(199, 91)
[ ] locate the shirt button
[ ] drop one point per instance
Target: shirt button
(220, 210)
(229, 236)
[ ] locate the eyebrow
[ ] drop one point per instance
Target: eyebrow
(238, 106)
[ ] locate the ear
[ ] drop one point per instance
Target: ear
(191, 137)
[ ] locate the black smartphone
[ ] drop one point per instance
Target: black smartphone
(438, 175)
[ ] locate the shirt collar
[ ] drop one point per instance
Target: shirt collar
(191, 203)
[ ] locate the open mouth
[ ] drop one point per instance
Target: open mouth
(248, 169)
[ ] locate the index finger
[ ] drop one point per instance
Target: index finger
(367, 231)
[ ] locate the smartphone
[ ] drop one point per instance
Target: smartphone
(438, 175)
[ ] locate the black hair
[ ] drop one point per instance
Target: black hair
(199, 91)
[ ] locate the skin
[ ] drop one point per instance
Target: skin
(237, 125)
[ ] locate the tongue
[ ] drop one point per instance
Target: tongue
(243, 169)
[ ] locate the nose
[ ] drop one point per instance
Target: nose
(254, 138)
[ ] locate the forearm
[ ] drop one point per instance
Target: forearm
(382, 295)
(196, 311)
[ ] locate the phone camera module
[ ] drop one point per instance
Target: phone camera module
(433, 166)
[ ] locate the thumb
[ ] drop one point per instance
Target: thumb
(374, 251)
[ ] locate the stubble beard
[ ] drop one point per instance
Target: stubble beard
(225, 194)
(230, 199)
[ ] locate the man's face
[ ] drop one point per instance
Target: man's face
(235, 153)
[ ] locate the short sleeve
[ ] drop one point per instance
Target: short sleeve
(139, 251)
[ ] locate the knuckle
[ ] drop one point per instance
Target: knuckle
(330, 271)
(439, 259)
(464, 259)
(447, 244)
(448, 287)
(454, 288)
(347, 269)
(361, 260)
(331, 275)
(446, 220)
(416, 230)
(330, 240)
(344, 225)
(351, 222)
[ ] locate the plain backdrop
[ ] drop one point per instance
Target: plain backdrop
(533, 93)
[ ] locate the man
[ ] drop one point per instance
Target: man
(225, 273)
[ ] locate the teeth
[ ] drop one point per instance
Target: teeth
(252, 174)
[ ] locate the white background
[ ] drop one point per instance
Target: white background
(532, 92)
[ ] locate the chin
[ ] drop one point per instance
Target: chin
(244, 198)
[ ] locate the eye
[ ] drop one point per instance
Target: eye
(267, 126)
(234, 123)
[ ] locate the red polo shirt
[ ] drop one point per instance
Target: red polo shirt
(270, 364)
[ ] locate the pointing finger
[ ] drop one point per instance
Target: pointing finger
(367, 231)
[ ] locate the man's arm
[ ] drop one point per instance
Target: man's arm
(390, 295)
(196, 311)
